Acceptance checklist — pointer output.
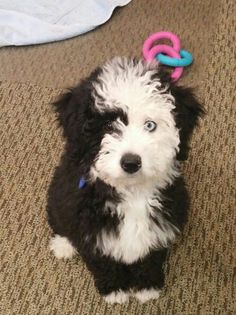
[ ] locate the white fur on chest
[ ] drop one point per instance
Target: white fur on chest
(137, 232)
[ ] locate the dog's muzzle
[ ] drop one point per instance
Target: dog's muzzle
(131, 163)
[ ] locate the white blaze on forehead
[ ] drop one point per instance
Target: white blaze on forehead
(128, 84)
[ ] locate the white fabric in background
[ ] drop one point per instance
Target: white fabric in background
(25, 22)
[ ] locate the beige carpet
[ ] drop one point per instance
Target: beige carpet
(200, 271)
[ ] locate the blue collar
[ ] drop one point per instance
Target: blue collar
(82, 183)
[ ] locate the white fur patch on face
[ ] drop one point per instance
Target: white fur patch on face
(124, 84)
(61, 247)
(117, 297)
(147, 294)
(137, 232)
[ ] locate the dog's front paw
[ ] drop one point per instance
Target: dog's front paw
(147, 294)
(61, 247)
(117, 297)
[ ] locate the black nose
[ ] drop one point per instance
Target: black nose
(130, 163)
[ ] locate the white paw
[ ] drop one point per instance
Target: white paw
(147, 294)
(117, 297)
(61, 247)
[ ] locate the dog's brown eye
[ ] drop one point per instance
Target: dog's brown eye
(150, 125)
(108, 125)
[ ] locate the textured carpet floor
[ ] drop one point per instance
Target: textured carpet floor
(200, 270)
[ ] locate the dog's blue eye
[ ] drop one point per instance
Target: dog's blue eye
(150, 125)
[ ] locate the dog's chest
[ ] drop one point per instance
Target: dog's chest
(137, 231)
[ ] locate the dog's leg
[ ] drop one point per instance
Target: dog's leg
(148, 276)
(112, 279)
(63, 208)
(62, 247)
(114, 286)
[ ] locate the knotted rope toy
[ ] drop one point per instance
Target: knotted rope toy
(171, 56)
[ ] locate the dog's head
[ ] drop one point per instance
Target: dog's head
(127, 124)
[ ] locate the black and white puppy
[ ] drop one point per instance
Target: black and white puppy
(127, 127)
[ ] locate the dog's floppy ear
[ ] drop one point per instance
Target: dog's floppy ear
(80, 120)
(73, 113)
(71, 109)
(187, 111)
(75, 108)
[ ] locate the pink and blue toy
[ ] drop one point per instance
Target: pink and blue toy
(172, 56)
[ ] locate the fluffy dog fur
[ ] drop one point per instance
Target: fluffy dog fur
(127, 128)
